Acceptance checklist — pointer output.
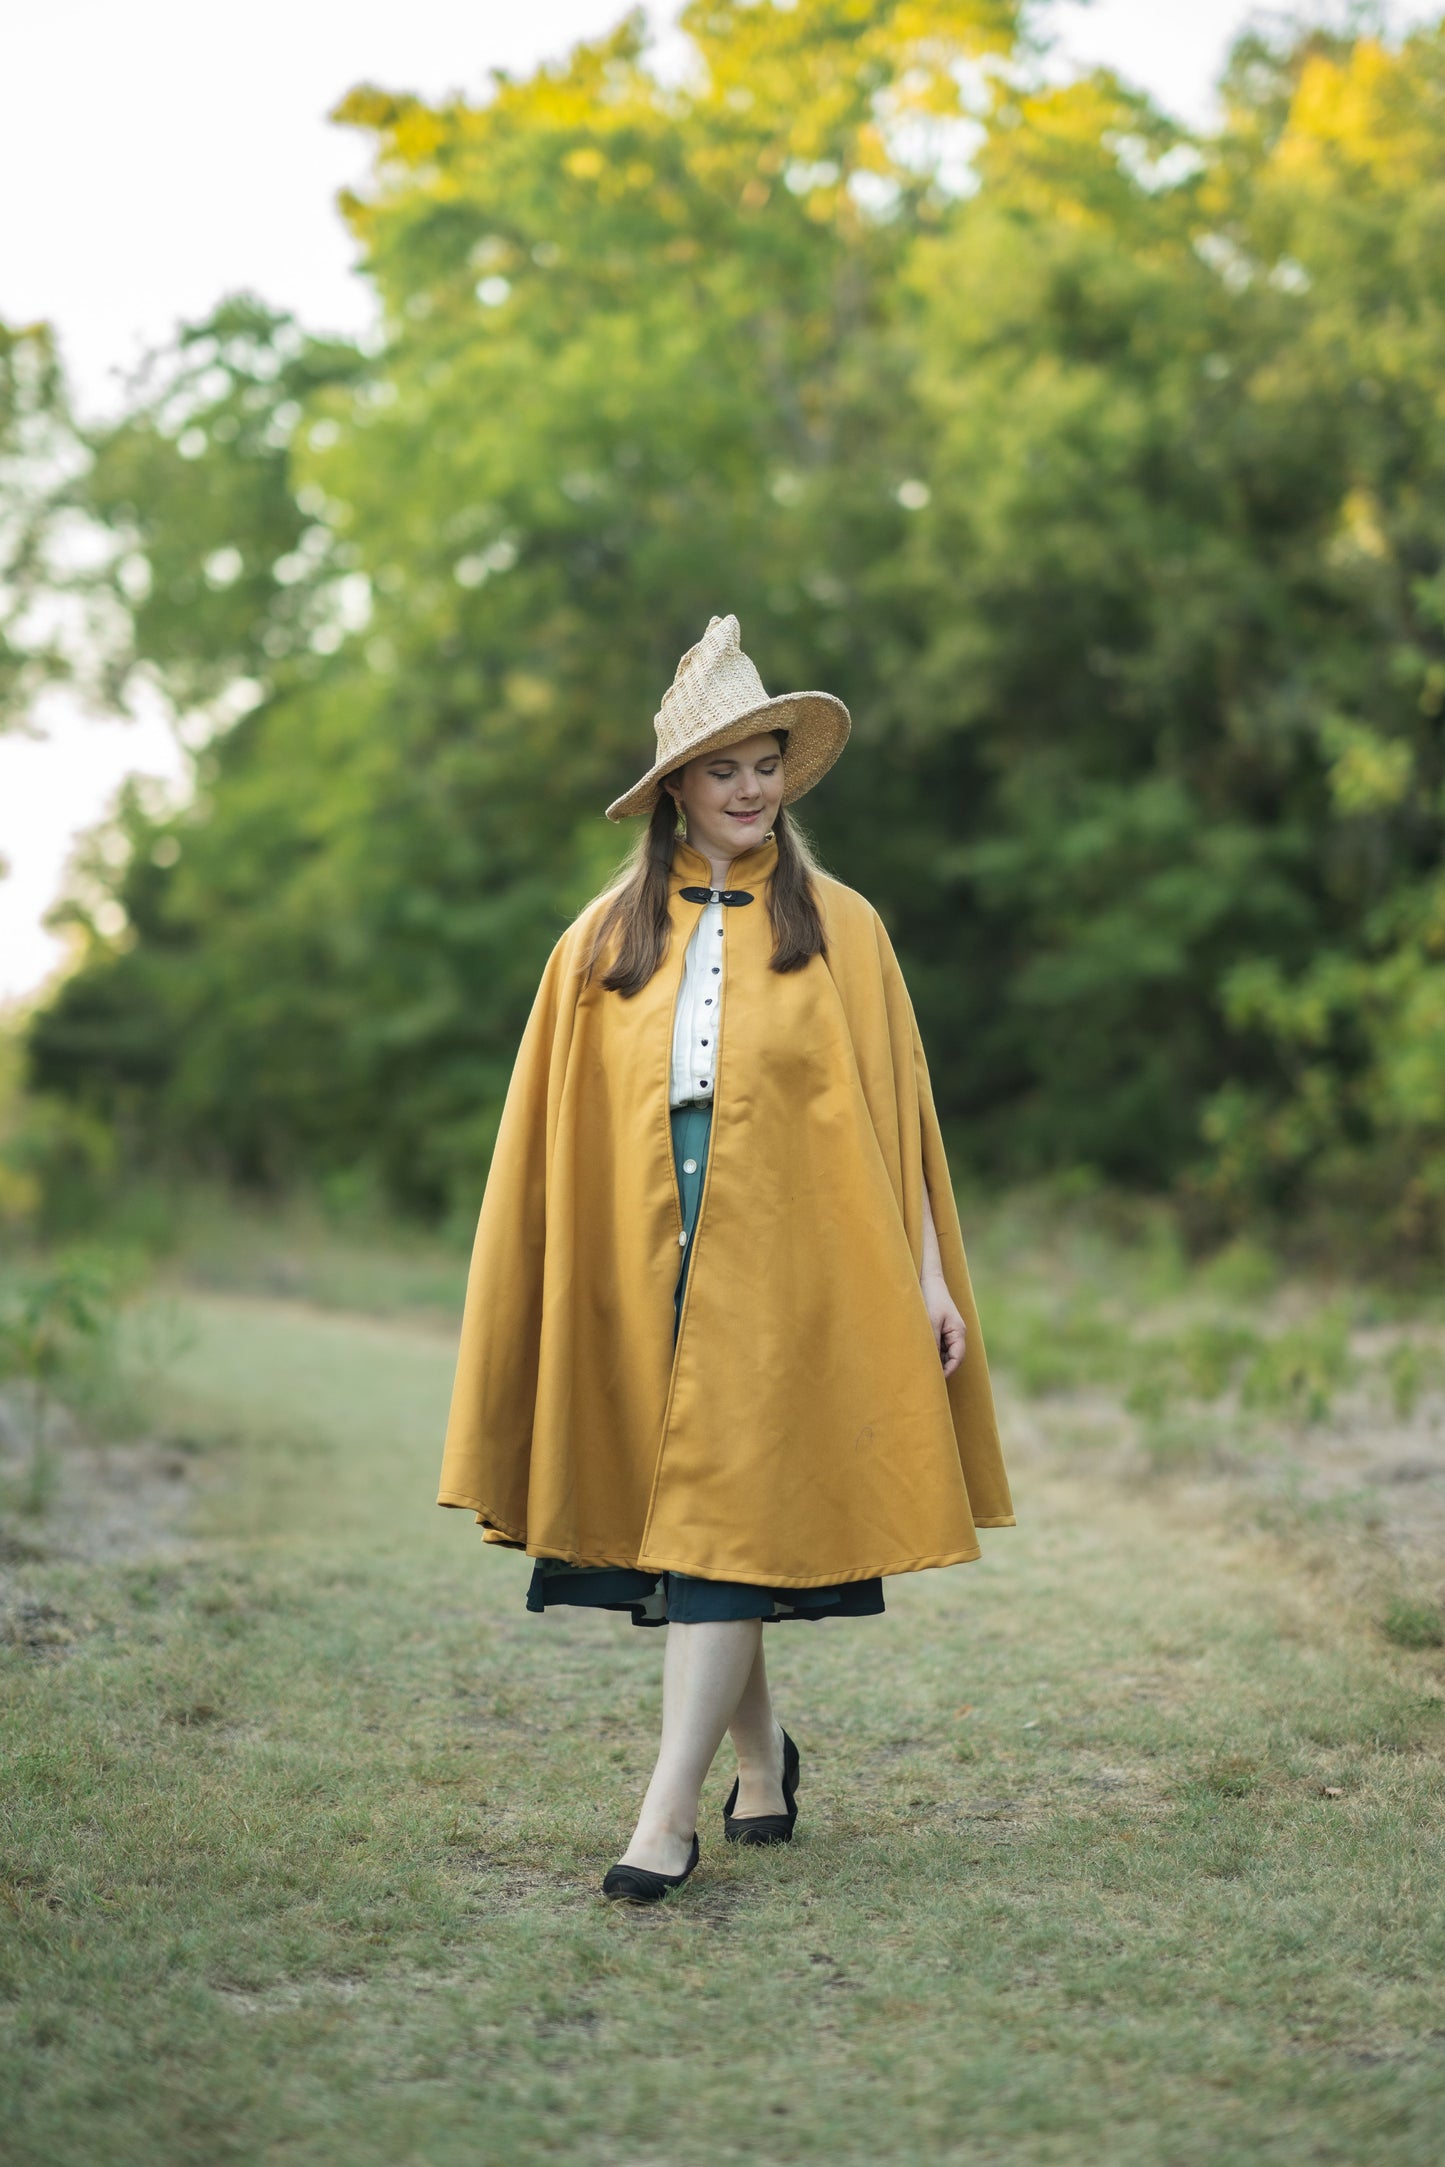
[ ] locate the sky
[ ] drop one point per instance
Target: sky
(162, 156)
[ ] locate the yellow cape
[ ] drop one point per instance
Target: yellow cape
(802, 1432)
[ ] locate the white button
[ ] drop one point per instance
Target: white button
(682, 1237)
(689, 1166)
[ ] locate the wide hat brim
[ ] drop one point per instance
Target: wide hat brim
(817, 724)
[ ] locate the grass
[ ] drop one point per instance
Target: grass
(325, 1247)
(1413, 1624)
(1122, 1846)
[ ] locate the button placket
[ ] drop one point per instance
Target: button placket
(701, 1047)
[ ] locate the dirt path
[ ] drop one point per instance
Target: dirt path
(1122, 1846)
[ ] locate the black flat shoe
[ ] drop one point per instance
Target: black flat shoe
(766, 1827)
(637, 1885)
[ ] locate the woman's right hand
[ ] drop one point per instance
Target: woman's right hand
(949, 1330)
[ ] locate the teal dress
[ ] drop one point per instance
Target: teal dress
(656, 1598)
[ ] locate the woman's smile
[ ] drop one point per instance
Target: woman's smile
(704, 785)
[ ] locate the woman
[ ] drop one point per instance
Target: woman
(719, 1361)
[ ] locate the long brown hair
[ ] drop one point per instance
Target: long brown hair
(639, 918)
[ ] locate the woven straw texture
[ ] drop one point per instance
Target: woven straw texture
(716, 698)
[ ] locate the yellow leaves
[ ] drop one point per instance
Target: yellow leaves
(614, 177)
(1335, 103)
(823, 70)
(415, 132)
(368, 107)
(1375, 111)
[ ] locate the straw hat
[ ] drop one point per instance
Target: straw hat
(716, 698)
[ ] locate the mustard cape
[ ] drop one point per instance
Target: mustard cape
(802, 1432)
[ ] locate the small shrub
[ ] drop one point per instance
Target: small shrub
(1060, 1349)
(1210, 1355)
(1409, 1371)
(55, 1320)
(1153, 1393)
(1298, 1373)
(1241, 1271)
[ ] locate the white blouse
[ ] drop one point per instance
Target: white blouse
(699, 1009)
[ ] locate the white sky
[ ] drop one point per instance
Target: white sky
(156, 154)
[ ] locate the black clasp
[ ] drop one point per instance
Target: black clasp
(716, 895)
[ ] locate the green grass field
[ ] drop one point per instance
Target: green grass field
(1123, 1846)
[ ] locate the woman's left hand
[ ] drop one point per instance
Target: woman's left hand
(948, 1326)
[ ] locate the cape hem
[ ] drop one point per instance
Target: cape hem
(761, 1579)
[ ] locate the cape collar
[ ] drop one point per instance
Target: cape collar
(750, 869)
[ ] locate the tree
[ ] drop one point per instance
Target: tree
(1096, 466)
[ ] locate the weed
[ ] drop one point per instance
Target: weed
(1297, 1373)
(57, 1319)
(1410, 1370)
(1227, 1776)
(1242, 1271)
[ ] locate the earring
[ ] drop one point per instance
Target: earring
(680, 826)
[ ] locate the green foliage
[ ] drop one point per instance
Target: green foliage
(36, 442)
(47, 1312)
(1410, 1370)
(1298, 1372)
(1110, 495)
(57, 1167)
(57, 1319)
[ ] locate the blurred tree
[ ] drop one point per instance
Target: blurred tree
(626, 360)
(1345, 1110)
(36, 441)
(1097, 468)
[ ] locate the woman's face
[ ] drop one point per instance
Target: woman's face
(731, 796)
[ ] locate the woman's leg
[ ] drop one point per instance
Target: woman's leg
(706, 1669)
(757, 1737)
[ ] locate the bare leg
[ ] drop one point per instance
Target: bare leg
(758, 1738)
(705, 1670)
